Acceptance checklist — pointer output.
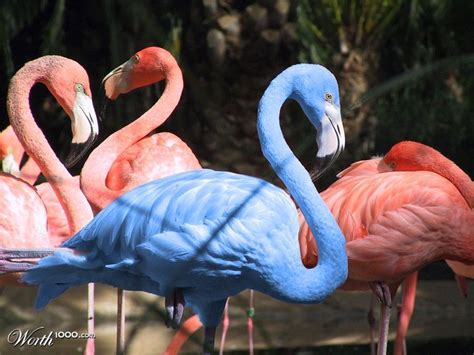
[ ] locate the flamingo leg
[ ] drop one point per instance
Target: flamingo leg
(383, 293)
(405, 313)
(250, 315)
(225, 327)
(371, 320)
(90, 344)
(209, 337)
(462, 284)
(120, 322)
(174, 303)
(189, 327)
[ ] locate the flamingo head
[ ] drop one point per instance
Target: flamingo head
(411, 156)
(318, 94)
(146, 67)
(69, 83)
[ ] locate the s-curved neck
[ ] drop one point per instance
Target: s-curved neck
(95, 170)
(309, 285)
(74, 203)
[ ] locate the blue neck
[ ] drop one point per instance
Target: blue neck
(309, 285)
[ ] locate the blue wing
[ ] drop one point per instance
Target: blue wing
(201, 229)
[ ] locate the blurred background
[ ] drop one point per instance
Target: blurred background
(405, 73)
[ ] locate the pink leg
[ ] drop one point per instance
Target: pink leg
(225, 327)
(120, 322)
(250, 315)
(383, 293)
(90, 345)
(371, 320)
(462, 284)
(406, 311)
(189, 327)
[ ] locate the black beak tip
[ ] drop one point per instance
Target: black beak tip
(321, 165)
(104, 101)
(77, 151)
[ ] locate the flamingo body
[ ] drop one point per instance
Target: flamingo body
(57, 224)
(207, 245)
(22, 215)
(208, 234)
(151, 158)
(408, 210)
(389, 220)
(58, 227)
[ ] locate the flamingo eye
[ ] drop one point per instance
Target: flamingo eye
(392, 165)
(328, 97)
(79, 88)
(135, 58)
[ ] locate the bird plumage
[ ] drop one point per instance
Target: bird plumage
(156, 228)
(212, 234)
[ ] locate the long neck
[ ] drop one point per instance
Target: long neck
(97, 166)
(457, 176)
(308, 285)
(74, 203)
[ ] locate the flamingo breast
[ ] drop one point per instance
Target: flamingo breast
(151, 158)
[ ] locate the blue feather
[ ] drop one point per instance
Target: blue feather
(213, 233)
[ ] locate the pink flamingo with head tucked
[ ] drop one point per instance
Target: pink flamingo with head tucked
(69, 84)
(409, 156)
(394, 223)
(130, 156)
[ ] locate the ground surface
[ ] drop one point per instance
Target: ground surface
(443, 323)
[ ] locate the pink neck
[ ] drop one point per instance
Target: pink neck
(97, 166)
(30, 171)
(447, 169)
(74, 203)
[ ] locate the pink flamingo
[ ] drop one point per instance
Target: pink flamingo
(57, 225)
(11, 146)
(69, 84)
(409, 220)
(130, 157)
(415, 157)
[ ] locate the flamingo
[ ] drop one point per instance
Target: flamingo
(410, 219)
(129, 157)
(411, 156)
(202, 236)
(12, 150)
(407, 220)
(69, 84)
(11, 153)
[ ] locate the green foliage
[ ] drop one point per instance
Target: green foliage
(331, 26)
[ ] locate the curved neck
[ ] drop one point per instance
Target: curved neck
(447, 169)
(97, 166)
(309, 285)
(74, 203)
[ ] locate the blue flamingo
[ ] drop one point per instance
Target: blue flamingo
(202, 236)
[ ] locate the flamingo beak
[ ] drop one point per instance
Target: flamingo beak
(9, 164)
(330, 139)
(85, 128)
(116, 81)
